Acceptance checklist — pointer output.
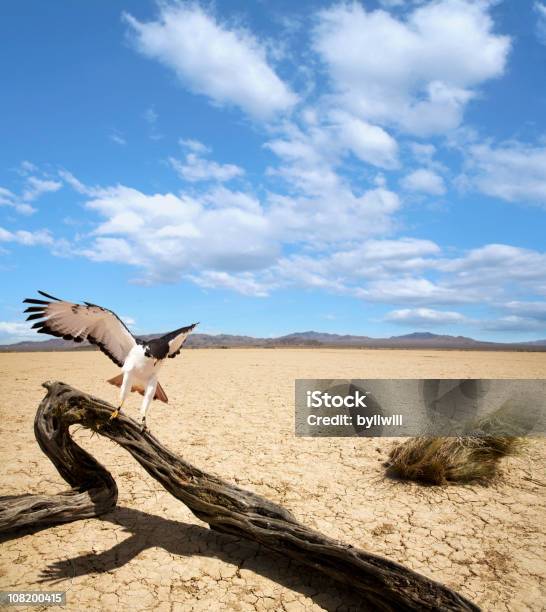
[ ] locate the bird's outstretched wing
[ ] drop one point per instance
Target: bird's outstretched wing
(81, 322)
(176, 339)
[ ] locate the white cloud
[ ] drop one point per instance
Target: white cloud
(307, 159)
(426, 70)
(27, 167)
(540, 9)
(77, 185)
(423, 152)
(40, 237)
(196, 168)
(420, 317)
(513, 171)
(194, 145)
(332, 216)
(368, 142)
(14, 331)
(217, 230)
(243, 283)
(7, 198)
(494, 265)
(424, 181)
(35, 187)
(227, 65)
(415, 290)
(217, 237)
(345, 269)
(221, 197)
(383, 258)
(167, 235)
(528, 309)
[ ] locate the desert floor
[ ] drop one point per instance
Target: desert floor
(231, 412)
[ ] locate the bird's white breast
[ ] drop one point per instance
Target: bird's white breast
(139, 365)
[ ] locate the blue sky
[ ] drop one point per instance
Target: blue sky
(372, 168)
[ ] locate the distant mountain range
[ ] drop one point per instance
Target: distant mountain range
(415, 340)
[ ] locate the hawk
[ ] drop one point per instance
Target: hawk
(139, 359)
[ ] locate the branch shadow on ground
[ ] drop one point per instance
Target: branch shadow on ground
(188, 540)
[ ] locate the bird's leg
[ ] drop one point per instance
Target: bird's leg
(123, 393)
(148, 397)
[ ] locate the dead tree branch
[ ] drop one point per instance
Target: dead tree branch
(226, 508)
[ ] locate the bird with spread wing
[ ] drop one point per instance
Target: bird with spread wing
(139, 359)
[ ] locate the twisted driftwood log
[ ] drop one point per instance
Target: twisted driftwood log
(386, 585)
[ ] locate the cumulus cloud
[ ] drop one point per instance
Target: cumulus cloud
(415, 290)
(423, 152)
(307, 159)
(426, 71)
(370, 143)
(77, 185)
(528, 309)
(334, 215)
(418, 273)
(195, 168)
(494, 266)
(216, 234)
(424, 317)
(346, 269)
(424, 180)
(512, 171)
(34, 188)
(8, 198)
(41, 237)
(194, 145)
(311, 154)
(168, 235)
(14, 331)
(229, 66)
(243, 283)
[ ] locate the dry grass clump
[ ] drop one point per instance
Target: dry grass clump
(438, 460)
(472, 456)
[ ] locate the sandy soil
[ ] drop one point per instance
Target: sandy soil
(231, 412)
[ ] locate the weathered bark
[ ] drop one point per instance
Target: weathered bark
(226, 508)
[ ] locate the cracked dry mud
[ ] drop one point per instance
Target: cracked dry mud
(231, 412)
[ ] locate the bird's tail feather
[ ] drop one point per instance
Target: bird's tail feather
(117, 380)
(159, 393)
